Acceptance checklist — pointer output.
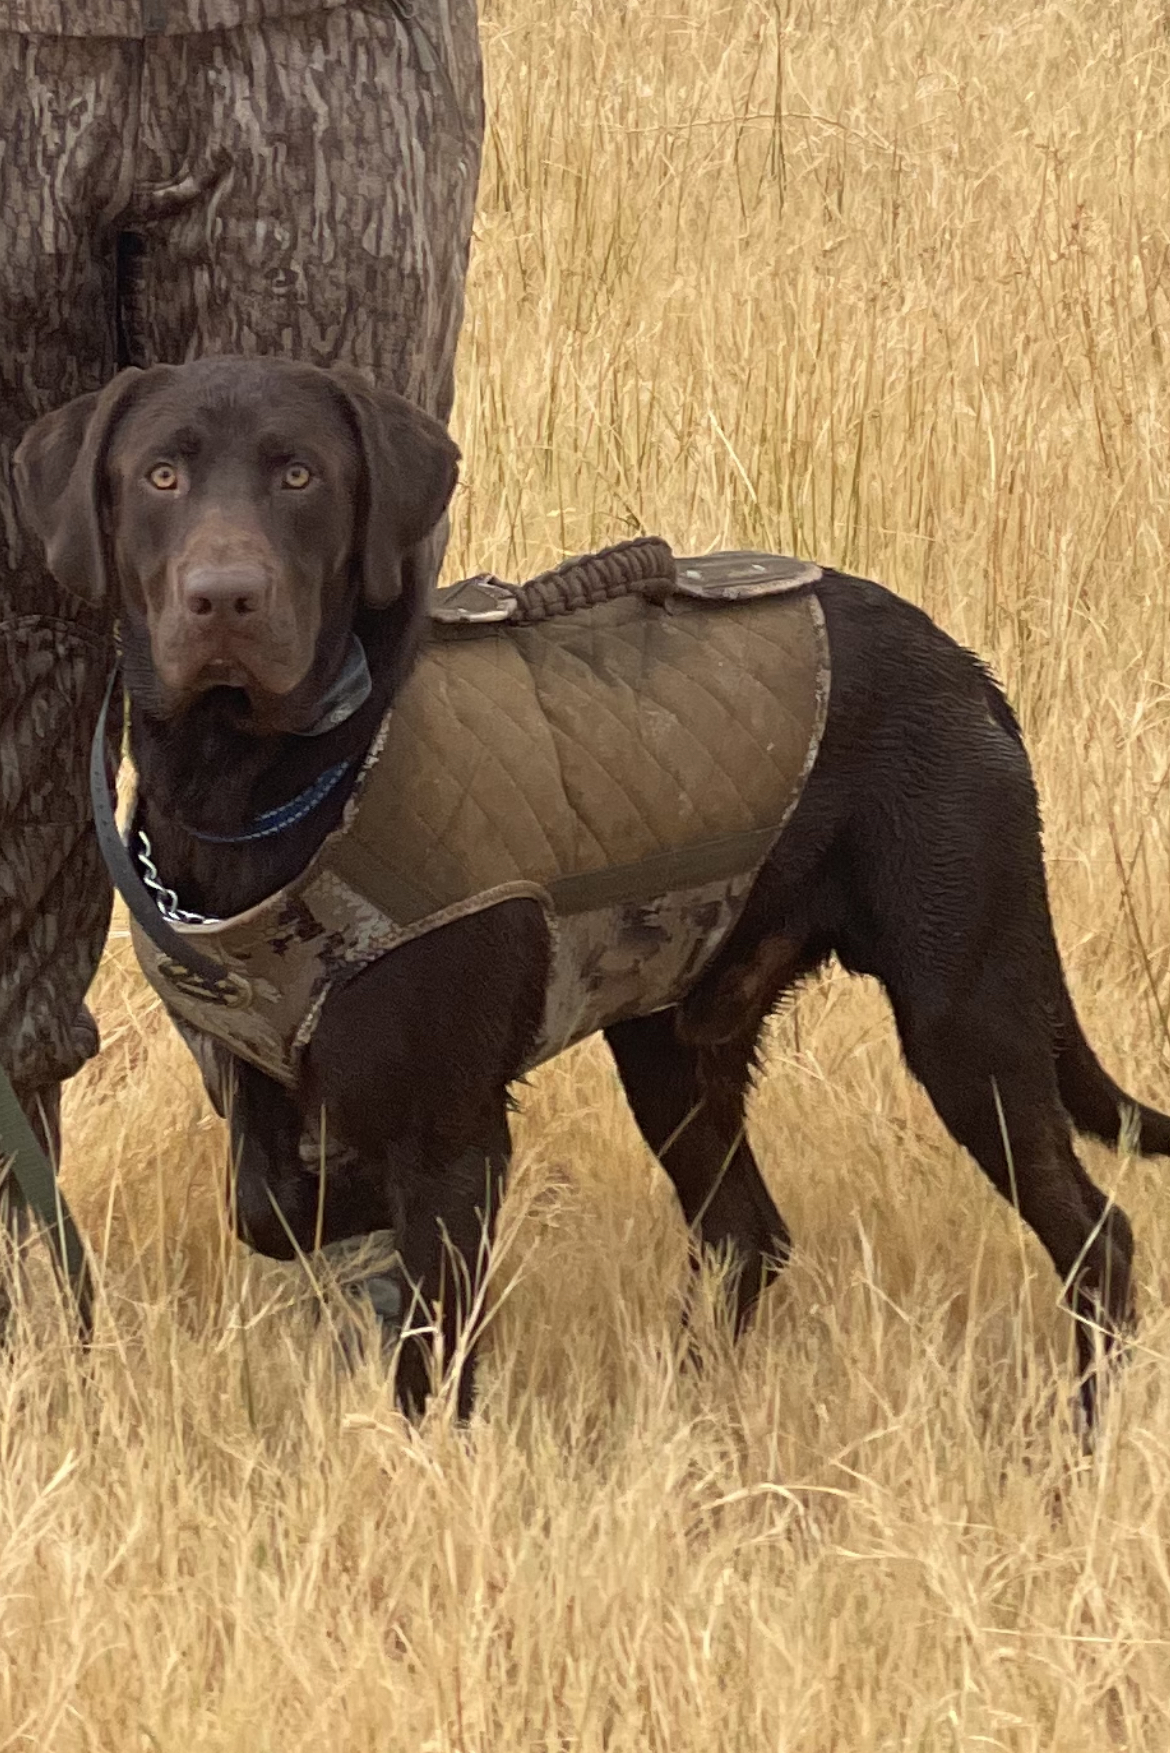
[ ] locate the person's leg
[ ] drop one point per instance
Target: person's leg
(307, 189)
(68, 105)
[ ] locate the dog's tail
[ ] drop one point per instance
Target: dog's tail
(1095, 1104)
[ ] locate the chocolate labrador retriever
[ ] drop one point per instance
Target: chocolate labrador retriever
(247, 519)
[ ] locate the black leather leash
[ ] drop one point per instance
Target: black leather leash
(198, 974)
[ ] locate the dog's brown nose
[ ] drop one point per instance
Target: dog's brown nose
(225, 593)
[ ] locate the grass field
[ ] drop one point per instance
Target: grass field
(882, 283)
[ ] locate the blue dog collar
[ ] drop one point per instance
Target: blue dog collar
(286, 815)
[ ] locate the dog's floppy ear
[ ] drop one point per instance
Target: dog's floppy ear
(411, 466)
(57, 470)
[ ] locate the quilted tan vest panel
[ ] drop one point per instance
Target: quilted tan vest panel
(628, 765)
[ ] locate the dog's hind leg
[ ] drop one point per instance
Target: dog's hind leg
(689, 1104)
(989, 1070)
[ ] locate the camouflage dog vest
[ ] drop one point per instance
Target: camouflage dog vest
(621, 740)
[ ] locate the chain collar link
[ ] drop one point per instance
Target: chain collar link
(166, 899)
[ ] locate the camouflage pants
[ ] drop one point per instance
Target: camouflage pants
(302, 187)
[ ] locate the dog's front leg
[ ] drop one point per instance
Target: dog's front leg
(285, 1200)
(274, 1196)
(412, 1059)
(295, 1191)
(445, 1227)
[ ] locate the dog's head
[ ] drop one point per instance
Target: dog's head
(236, 513)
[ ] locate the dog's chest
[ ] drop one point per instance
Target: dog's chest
(628, 766)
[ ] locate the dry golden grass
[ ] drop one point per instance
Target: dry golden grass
(880, 282)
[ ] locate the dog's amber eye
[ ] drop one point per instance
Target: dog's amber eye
(164, 476)
(297, 475)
